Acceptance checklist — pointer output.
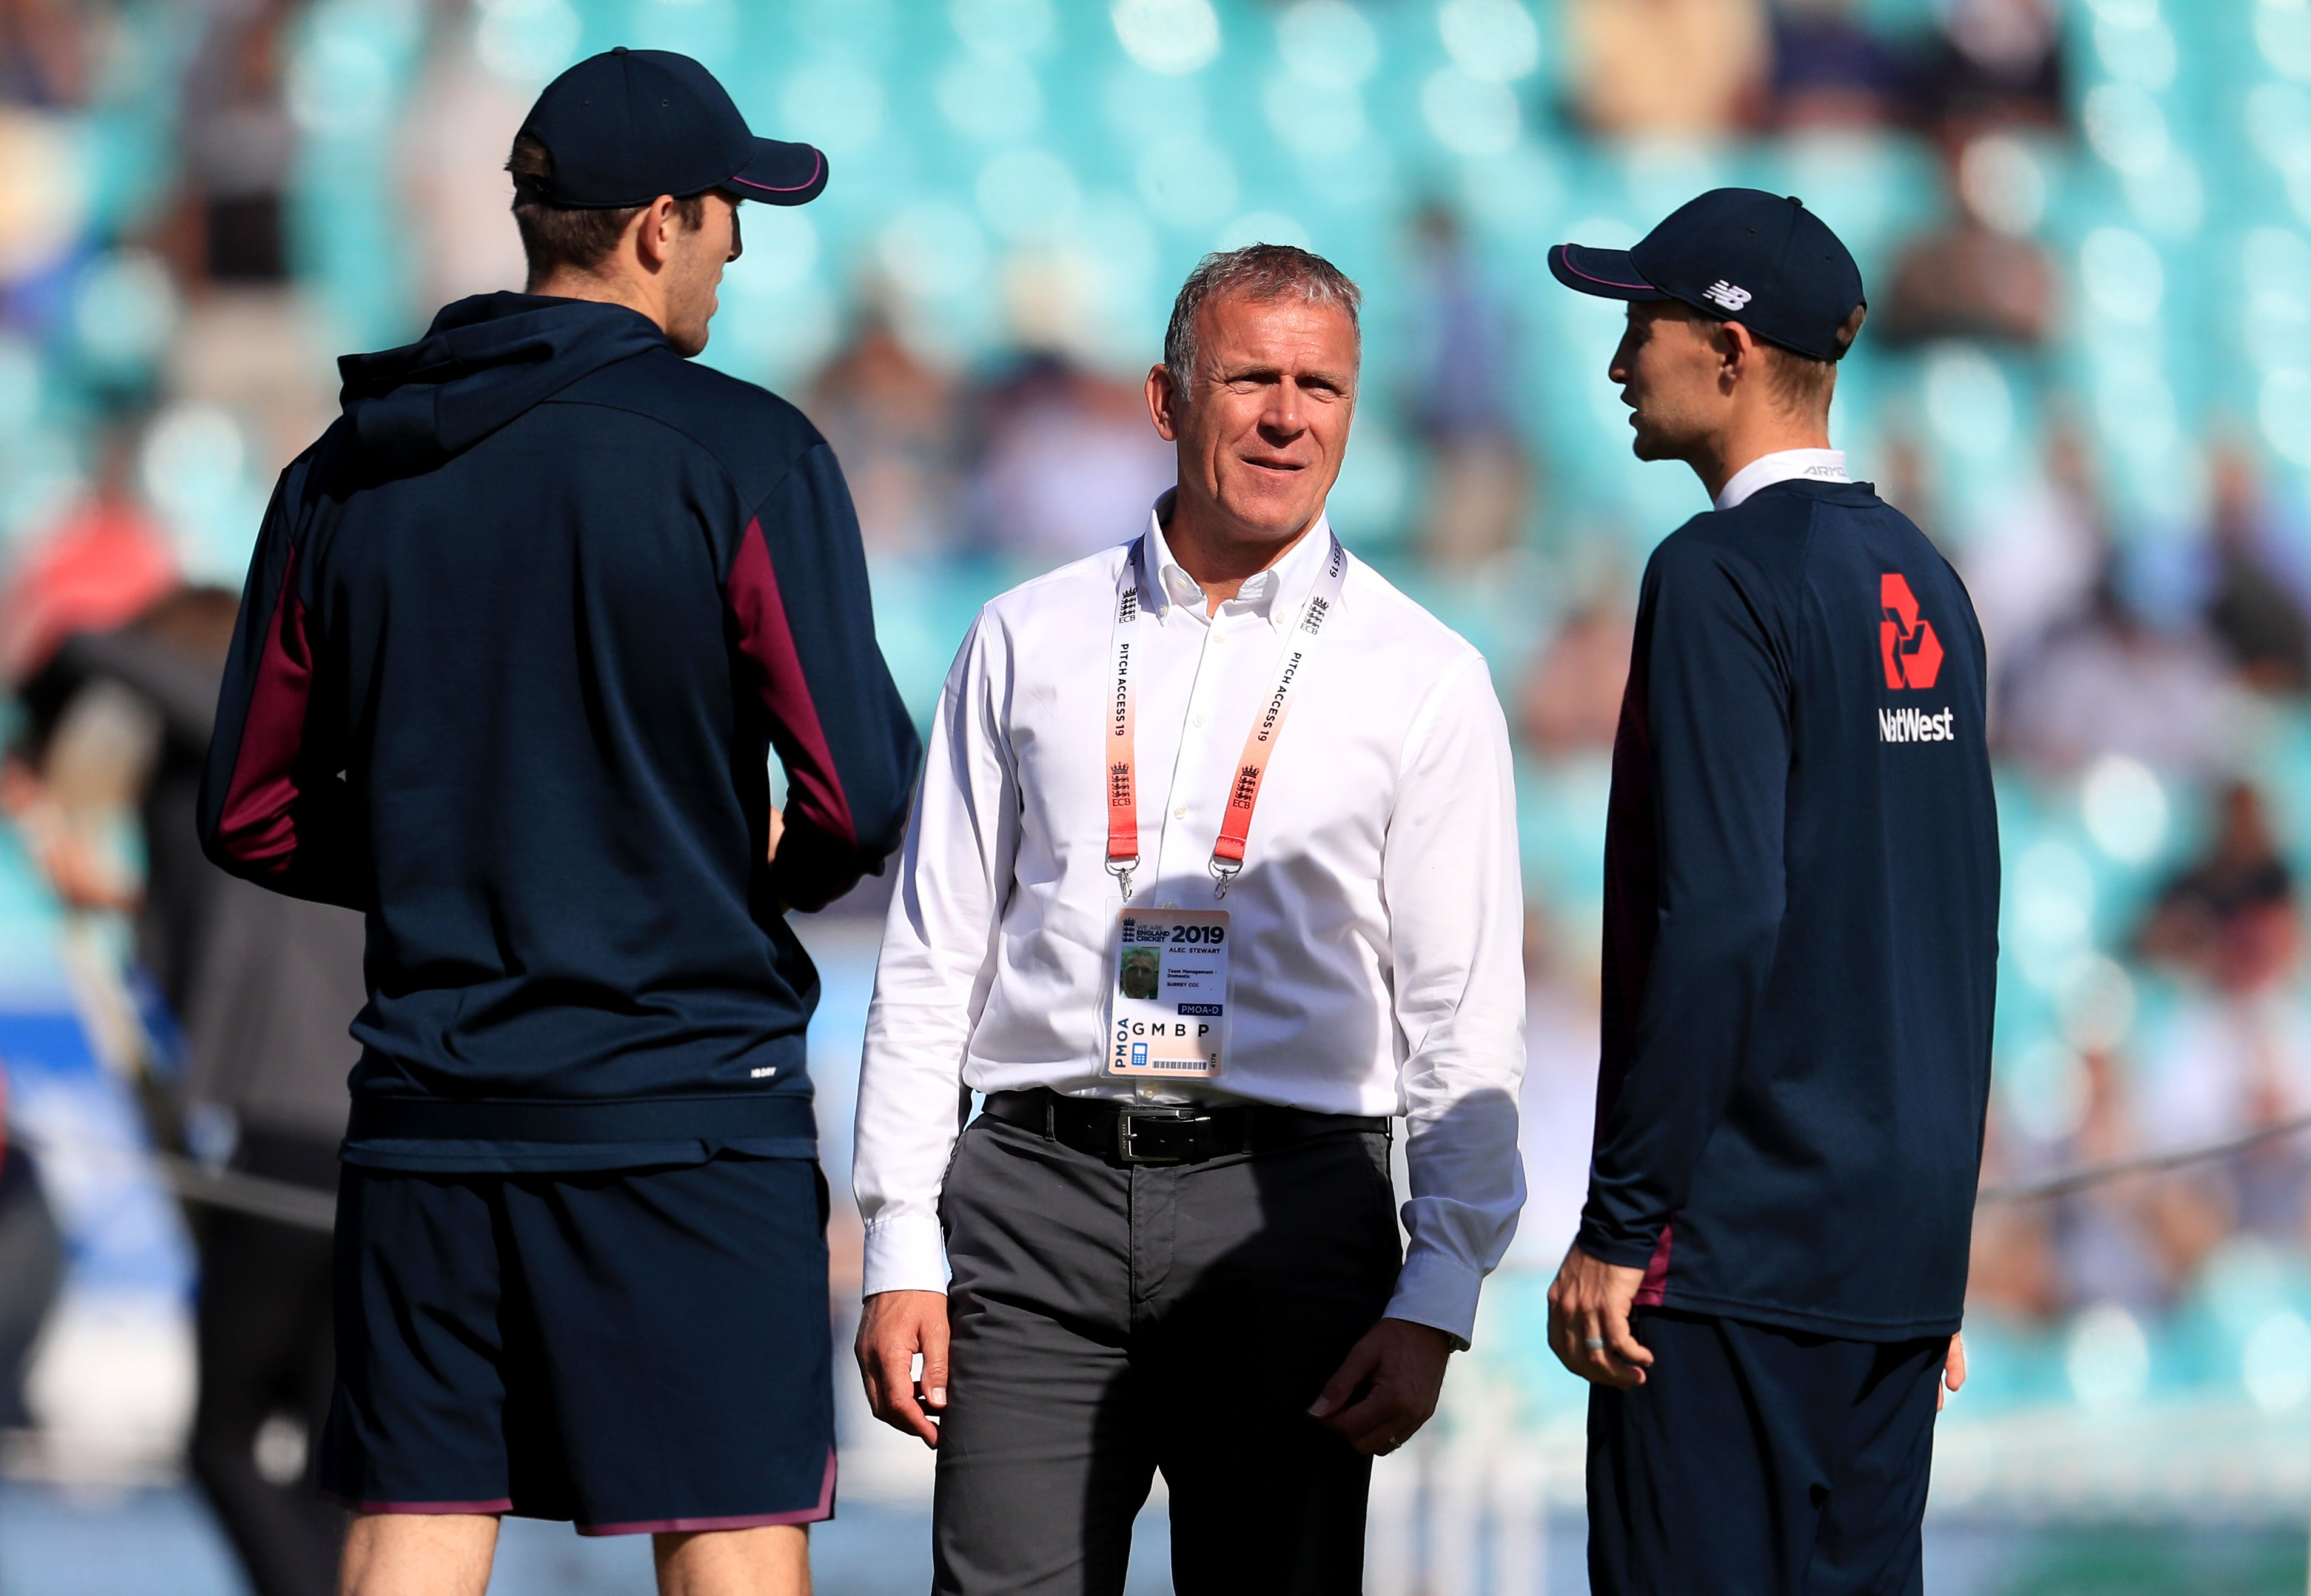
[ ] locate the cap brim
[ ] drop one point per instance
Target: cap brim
(1609, 274)
(779, 174)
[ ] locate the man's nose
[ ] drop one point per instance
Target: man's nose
(1282, 416)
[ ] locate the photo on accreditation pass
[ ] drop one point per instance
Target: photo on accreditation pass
(1143, 970)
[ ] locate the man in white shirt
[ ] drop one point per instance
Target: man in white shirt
(1173, 1232)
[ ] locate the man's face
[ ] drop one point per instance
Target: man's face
(694, 270)
(1265, 421)
(1671, 372)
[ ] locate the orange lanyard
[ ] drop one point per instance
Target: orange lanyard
(1258, 744)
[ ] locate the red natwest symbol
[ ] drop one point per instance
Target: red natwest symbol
(1906, 639)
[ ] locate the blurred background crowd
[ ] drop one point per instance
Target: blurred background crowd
(2086, 228)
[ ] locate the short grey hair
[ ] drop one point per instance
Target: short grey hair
(1257, 272)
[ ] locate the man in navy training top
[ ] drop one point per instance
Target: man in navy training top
(1800, 923)
(521, 633)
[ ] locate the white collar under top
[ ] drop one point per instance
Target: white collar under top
(1811, 464)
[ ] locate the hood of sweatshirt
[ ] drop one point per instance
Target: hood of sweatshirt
(485, 361)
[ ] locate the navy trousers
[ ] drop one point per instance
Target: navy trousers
(1756, 1461)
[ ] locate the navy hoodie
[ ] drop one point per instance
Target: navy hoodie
(1801, 925)
(521, 633)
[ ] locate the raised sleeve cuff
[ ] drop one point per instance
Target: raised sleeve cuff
(905, 1253)
(1439, 1292)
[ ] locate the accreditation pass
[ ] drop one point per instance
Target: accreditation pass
(1170, 997)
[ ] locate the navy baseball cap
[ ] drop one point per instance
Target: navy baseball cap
(1740, 255)
(627, 126)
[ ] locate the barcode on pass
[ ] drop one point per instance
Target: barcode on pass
(1177, 1063)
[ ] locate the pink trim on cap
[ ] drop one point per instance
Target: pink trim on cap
(817, 165)
(1565, 253)
(824, 1509)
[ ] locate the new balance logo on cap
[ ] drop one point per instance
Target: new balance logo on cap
(1907, 643)
(1725, 293)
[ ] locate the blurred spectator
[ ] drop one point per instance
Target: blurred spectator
(2235, 1054)
(1994, 63)
(1646, 67)
(44, 52)
(48, 56)
(1974, 275)
(2255, 607)
(1067, 463)
(1462, 402)
(2230, 916)
(2106, 682)
(248, 343)
(892, 420)
(450, 146)
(2037, 563)
(264, 988)
(1830, 71)
(101, 563)
(1571, 701)
(237, 144)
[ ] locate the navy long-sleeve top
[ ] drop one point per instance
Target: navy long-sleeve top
(1801, 924)
(521, 634)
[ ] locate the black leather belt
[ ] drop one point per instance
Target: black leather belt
(1144, 1133)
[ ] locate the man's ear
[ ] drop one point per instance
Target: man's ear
(656, 227)
(1737, 349)
(1163, 403)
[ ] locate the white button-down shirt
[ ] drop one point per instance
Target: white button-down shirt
(1376, 931)
(1783, 464)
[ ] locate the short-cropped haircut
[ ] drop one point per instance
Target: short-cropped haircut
(1803, 385)
(1257, 272)
(556, 236)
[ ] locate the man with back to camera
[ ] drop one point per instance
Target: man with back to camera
(1801, 937)
(521, 633)
(1197, 918)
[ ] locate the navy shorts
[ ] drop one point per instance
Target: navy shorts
(1756, 1461)
(633, 1349)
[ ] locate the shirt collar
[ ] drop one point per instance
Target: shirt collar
(1261, 594)
(1810, 465)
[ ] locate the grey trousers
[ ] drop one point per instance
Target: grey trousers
(1111, 1321)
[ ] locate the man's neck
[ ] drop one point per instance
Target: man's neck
(1716, 461)
(1220, 561)
(608, 288)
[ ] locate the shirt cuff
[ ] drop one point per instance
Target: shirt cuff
(1623, 1253)
(905, 1253)
(1439, 1292)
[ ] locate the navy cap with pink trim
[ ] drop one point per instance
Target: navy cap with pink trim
(627, 126)
(1740, 255)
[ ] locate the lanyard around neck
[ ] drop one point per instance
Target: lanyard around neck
(1258, 744)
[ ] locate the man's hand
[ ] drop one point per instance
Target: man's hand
(1589, 1320)
(1387, 1387)
(1953, 1371)
(896, 1327)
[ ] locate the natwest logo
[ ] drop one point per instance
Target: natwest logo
(1907, 643)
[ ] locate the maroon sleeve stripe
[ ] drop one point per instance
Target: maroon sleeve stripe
(259, 825)
(816, 793)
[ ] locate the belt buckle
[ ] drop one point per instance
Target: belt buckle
(1127, 1138)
